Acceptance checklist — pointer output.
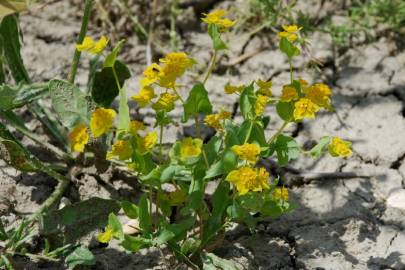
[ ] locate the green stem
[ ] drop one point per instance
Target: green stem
(273, 138)
(82, 34)
(249, 132)
(211, 67)
(161, 143)
(291, 70)
(198, 130)
(178, 95)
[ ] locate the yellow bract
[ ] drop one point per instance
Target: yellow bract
(214, 120)
(305, 108)
(216, 17)
(280, 193)
(135, 126)
(290, 32)
(165, 102)
(145, 96)
(231, 89)
(151, 74)
(319, 94)
(121, 149)
(101, 121)
(247, 151)
(248, 179)
(340, 148)
(106, 236)
(289, 93)
(146, 143)
(174, 66)
(264, 87)
(190, 147)
(78, 138)
(260, 105)
(91, 46)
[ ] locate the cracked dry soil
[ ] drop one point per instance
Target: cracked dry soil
(339, 223)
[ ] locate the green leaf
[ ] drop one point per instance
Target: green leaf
(318, 149)
(285, 110)
(257, 135)
(135, 243)
(124, 118)
(247, 102)
(215, 35)
(80, 256)
(197, 102)
(130, 209)
(3, 233)
(10, 38)
(174, 230)
(78, 220)
(105, 88)
(112, 57)
(190, 245)
(253, 201)
(69, 102)
(14, 153)
(145, 219)
(116, 226)
(210, 259)
(8, 7)
(288, 48)
(212, 148)
(12, 97)
(287, 149)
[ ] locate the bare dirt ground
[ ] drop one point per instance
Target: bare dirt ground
(339, 223)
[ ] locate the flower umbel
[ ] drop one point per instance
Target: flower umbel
(101, 121)
(305, 108)
(231, 89)
(216, 17)
(280, 193)
(215, 120)
(146, 143)
(145, 96)
(289, 93)
(248, 179)
(174, 66)
(78, 138)
(190, 148)
(86, 45)
(319, 94)
(260, 105)
(165, 102)
(290, 32)
(247, 151)
(91, 46)
(340, 148)
(121, 149)
(151, 74)
(136, 126)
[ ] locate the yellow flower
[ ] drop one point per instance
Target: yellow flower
(145, 96)
(215, 17)
(260, 105)
(280, 193)
(305, 108)
(247, 151)
(174, 66)
(288, 94)
(290, 32)
(101, 121)
(231, 89)
(151, 74)
(121, 149)
(99, 46)
(78, 138)
(106, 236)
(340, 148)
(190, 147)
(248, 179)
(165, 102)
(214, 120)
(86, 45)
(135, 126)
(146, 143)
(264, 87)
(303, 83)
(319, 94)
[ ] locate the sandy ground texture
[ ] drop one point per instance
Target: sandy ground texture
(352, 223)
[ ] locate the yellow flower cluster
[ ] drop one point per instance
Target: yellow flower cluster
(101, 121)
(248, 179)
(264, 87)
(289, 93)
(247, 151)
(340, 148)
(231, 89)
(260, 104)
(91, 46)
(290, 32)
(216, 120)
(78, 138)
(190, 148)
(121, 149)
(146, 144)
(145, 96)
(216, 17)
(165, 102)
(280, 194)
(135, 126)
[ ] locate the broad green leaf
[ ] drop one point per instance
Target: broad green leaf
(80, 256)
(14, 153)
(247, 102)
(112, 57)
(135, 243)
(123, 110)
(175, 230)
(130, 209)
(196, 190)
(145, 218)
(197, 102)
(12, 97)
(69, 102)
(285, 110)
(253, 201)
(212, 148)
(257, 135)
(215, 35)
(318, 149)
(287, 149)
(8, 7)
(210, 259)
(237, 212)
(105, 88)
(78, 220)
(115, 226)
(288, 48)
(10, 38)
(190, 245)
